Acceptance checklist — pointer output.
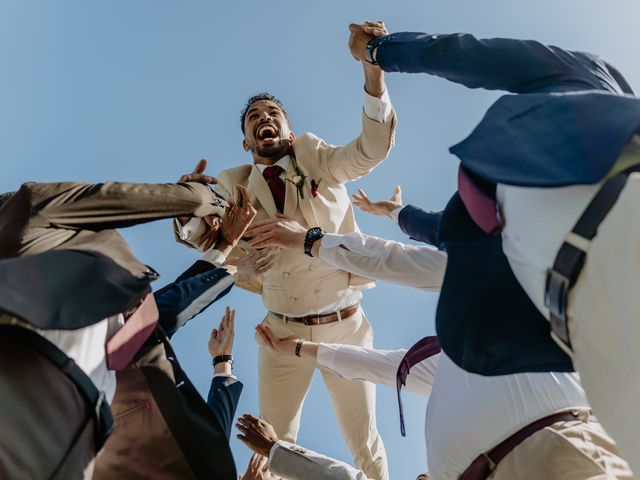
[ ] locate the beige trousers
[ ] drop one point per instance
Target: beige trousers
(579, 450)
(284, 382)
(604, 323)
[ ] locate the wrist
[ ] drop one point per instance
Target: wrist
(224, 246)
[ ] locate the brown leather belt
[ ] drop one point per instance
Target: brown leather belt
(320, 319)
(486, 462)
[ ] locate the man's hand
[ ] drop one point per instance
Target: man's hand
(280, 231)
(196, 176)
(258, 469)
(256, 434)
(282, 346)
(221, 340)
(238, 216)
(359, 36)
(250, 268)
(383, 207)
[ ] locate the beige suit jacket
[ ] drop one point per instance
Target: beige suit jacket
(67, 215)
(298, 284)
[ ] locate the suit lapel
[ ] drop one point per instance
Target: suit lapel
(258, 185)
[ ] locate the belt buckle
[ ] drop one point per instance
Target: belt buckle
(556, 298)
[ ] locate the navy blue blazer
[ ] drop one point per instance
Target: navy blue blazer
(572, 114)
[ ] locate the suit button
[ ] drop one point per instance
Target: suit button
(293, 299)
(310, 267)
(285, 274)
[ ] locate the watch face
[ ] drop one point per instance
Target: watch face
(315, 233)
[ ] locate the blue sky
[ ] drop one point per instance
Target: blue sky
(139, 90)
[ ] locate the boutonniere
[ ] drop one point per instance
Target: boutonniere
(314, 187)
(297, 178)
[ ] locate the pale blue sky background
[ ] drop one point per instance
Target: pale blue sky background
(139, 90)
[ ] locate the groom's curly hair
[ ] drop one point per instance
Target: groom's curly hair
(256, 98)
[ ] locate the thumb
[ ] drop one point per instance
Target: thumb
(354, 27)
(214, 333)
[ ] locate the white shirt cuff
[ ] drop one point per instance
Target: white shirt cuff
(377, 109)
(331, 240)
(326, 355)
(190, 231)
(395, 215)
(227, 375)
(276, 446)
(214, 257)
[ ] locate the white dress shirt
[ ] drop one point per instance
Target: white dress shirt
(531, 237)
(86, 346)
(467, 413)
(375, 108)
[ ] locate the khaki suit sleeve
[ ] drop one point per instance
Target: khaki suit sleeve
(341, 164)
(296, 463)
(116, 204)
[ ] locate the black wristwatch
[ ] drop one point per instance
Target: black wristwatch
(223, 358)
(313, 235)
(371, 46)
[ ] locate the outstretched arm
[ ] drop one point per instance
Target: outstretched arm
(356, 363)
(518, 66)
(116, 204)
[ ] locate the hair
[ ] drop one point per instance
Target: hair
(4, 198)
(256, 98)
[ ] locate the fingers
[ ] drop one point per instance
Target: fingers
(263, 240)
(264, 337)
(200, 166)
(397, 195)
(198, 178)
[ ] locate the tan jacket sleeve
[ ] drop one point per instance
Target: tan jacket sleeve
(116, 204)
(341, 164)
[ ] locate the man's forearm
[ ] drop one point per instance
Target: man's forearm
(117, 204)
(497, 64)
(373, 80)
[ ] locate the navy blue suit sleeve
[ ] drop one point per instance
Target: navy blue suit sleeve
(223, 398)
(420, 225)
(185, 298)
(517, 66)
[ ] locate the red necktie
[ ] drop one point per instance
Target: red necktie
(481, 207)
(276, 185)
(126, 342)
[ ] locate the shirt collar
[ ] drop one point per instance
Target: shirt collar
(284, 162)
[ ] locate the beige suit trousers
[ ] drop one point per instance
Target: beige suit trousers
(579, 450)
(604, 322)
(284, 382)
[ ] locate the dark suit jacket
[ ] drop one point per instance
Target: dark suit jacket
(567, 124)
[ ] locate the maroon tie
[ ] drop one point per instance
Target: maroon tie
(276, 185)
(126, 342)
(421, 350)
(481, 207)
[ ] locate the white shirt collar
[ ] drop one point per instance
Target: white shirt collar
(284, 162)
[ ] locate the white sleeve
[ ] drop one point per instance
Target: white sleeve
(214, 257)
(372, 257)
(377, 366)
(191, 231)
(296, 463)
(377, 109)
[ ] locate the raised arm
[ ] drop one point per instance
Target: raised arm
(517, 66)
(116, 204)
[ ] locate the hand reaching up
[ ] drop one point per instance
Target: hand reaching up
(383, 207)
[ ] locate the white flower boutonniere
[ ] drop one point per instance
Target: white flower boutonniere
(298, 178)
